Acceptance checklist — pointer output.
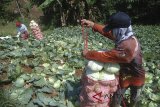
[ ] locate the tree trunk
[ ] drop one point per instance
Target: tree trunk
(19, 10)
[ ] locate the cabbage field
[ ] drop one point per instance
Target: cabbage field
(46, 73)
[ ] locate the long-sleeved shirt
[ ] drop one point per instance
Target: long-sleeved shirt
(22, 29)
(127, 54)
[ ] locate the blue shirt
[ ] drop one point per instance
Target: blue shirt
(22, 29)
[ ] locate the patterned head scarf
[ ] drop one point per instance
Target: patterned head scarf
(122, 34)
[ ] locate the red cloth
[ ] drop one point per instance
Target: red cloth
(25, 35)
(18, 24)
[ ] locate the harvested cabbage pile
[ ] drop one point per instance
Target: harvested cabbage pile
(36, 30)
(101, 71)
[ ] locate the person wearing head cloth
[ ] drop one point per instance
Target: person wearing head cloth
(127, 53)
(22, 31)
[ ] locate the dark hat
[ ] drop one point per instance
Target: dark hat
(118, 20)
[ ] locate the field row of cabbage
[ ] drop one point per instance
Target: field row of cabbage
(47, 73)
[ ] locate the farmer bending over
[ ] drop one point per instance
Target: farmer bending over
(22, 31)
(127, 53)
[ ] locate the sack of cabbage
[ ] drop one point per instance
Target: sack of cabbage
(98, 83)
(36, 30)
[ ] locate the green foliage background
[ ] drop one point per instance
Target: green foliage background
(53, 63)
(55, 13)
(56, 58)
